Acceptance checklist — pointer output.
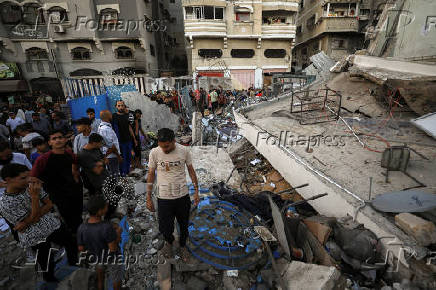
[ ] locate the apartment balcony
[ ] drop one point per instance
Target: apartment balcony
(205, 28)
(328, 25)
(285, 31)
(284, 5)
(340, 24)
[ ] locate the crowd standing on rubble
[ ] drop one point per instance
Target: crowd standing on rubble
(47, 161)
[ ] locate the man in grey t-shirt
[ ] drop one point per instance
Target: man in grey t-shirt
(169, 160)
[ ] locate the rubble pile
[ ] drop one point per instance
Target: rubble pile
(12, 255)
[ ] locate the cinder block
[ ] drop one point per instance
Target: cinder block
(300, 275)
(422, 230)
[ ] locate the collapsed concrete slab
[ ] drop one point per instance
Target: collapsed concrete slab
(341, 170)
(404, 69)
(416, 82)
(155, 116)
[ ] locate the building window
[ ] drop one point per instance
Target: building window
(274, 20)
(173, 20)
(123, 52)
(10, 13)
(242, 53)
(109, 16)
(51, 67)
(242, 16)
(36, 53)
(210, 53)
(275, 53)
(40, 66)
(338, 43)
(173, 1)
(304, 51)
(219, 13)
(58, 15)
(151, 49)
(310, 23)
(298, 29)
(204, 12)
(365, 12)
(80, 53)
(340, 10)
(208, 12)
(32, 14)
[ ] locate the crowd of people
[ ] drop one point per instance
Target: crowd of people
(46, 162)
(202, 99)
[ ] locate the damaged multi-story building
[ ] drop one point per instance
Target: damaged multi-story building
(244, 40)
(52, 41)
(335, 27)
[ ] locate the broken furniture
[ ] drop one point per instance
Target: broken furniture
(316, 106)
(396, 158)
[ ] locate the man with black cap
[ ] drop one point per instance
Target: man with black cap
(83, 126)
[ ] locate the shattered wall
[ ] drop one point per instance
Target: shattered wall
(406, 30)
(417, 30)
(154, 115)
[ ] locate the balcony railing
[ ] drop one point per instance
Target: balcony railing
(205, 27)
(278, 31)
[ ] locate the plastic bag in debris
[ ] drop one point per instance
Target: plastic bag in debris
(359, 243)
(203, 203)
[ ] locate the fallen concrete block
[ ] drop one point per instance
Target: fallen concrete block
(298, 275)
(422, 230)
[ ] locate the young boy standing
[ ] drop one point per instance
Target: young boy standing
(99, 240)
(41, 148)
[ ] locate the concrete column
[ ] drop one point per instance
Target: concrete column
(258, 78)
(328, 9)
(197, 131)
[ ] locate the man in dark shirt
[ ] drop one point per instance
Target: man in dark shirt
(58, 170)
(92, 162)
(125, 135)
(40, 125)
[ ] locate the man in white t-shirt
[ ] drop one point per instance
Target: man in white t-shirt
(25, 131)
(14, 121)
(169, 160)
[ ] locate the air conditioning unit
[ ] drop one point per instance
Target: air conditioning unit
(59, 29)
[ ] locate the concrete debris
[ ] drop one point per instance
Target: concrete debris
(340, 66)
(154, 114)
(423, 231)
(300, 275)
(320, 67)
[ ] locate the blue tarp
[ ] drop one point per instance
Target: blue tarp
(78, 106)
